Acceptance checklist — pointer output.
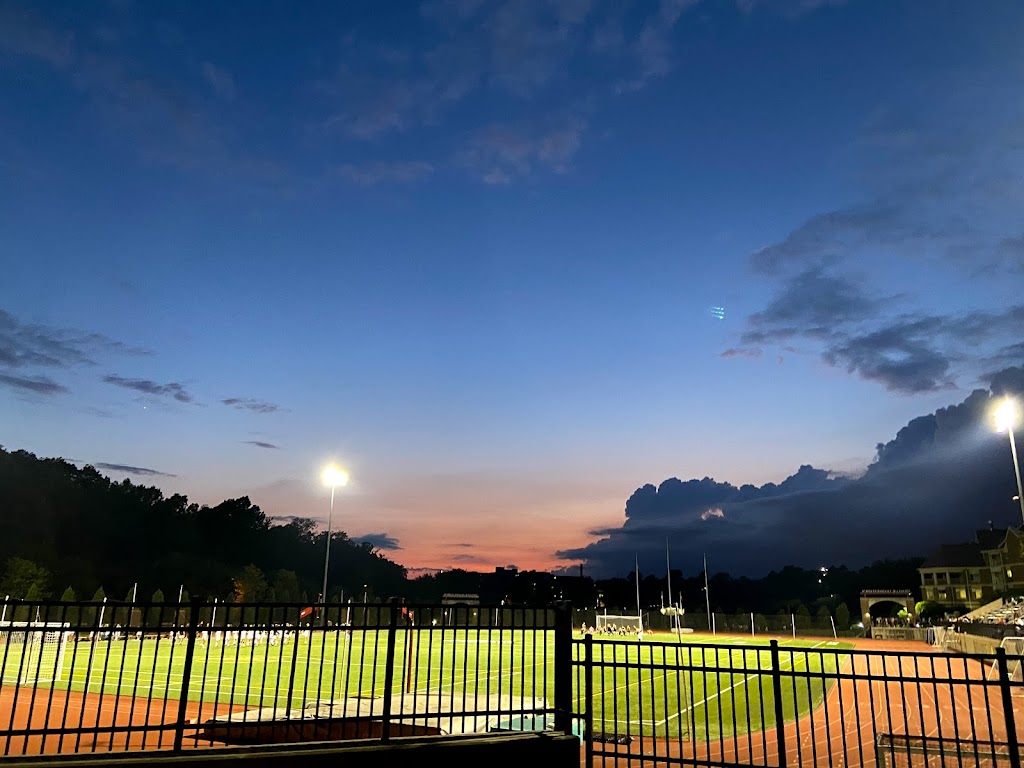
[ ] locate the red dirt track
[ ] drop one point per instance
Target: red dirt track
(25, 707)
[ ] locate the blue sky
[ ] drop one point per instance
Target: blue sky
(469, 249)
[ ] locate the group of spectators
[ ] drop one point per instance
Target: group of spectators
(613, 630)
(1011, 612)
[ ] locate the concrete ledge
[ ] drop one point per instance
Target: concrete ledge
(496, 751)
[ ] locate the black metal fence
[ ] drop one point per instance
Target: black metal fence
(86, 677)
(725, 704)
(98, 677)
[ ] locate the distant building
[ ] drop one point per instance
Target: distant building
(956, 574)
(975, 573)
(1003, 550)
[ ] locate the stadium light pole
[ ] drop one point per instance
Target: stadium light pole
(1006, 418)
(332, 476)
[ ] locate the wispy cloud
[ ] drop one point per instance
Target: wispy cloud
(220, 81)
(370, 174)
(29, 344)
(378, 541)
(172, 390)
(501, 152)
(248, 404)
(653, 48)
(741, 352)
(262, 444)
(128, 469)
(39, 385)
(907, 353)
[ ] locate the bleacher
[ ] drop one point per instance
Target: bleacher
(1002, 620)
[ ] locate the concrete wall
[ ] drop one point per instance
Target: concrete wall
(493, 750)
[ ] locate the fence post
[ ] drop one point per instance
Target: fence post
(186, 673)
(780, 733)
(1004, 686)
(588, 698)
(389, 669)
(563, 667)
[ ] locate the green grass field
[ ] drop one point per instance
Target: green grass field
(640, 688)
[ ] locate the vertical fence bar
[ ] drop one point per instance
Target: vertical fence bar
(780, 733)
(1011, 727)
(588, 698)
(389, 670)
(186, 675)
(563, 668)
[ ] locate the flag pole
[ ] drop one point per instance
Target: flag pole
(668, 570)
(707, 592)
(639, 616)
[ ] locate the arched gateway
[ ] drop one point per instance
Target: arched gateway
(902, 597)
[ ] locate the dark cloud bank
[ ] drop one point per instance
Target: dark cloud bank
(378, 541)
(940, 478)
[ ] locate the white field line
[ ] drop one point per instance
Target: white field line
(719, 692)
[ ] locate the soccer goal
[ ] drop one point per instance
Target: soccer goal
(32, 652)
(1014, 647)
(608, 624)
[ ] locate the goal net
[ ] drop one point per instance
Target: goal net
(1014, 647)
(32, 652)
(626, 625)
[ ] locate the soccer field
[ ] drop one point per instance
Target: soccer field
(685, 689)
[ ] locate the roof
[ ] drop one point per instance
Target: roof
(991, 538)
(956, 556)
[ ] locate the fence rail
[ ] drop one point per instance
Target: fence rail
(87, 677)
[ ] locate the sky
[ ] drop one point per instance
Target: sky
(510, 263)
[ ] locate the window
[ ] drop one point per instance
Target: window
(961, 594)
(929, 578)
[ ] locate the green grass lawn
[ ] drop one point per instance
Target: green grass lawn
(658, 686)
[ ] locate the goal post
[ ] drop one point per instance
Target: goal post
(1014, 647)
(32, 652)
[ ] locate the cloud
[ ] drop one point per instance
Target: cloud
(261, 444)
(371, 174)
(732, 352)
(172, 390)
(378, 541)
(653, 47)
(248, 404)
(128, 469)
(523, 51)
(29, 344)
(813, 302)
(221, 81)
(163, 119)
(24, 34)
(899, 356)
(942, 476)
(500, 152)
(39, 385)
(856, 331)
